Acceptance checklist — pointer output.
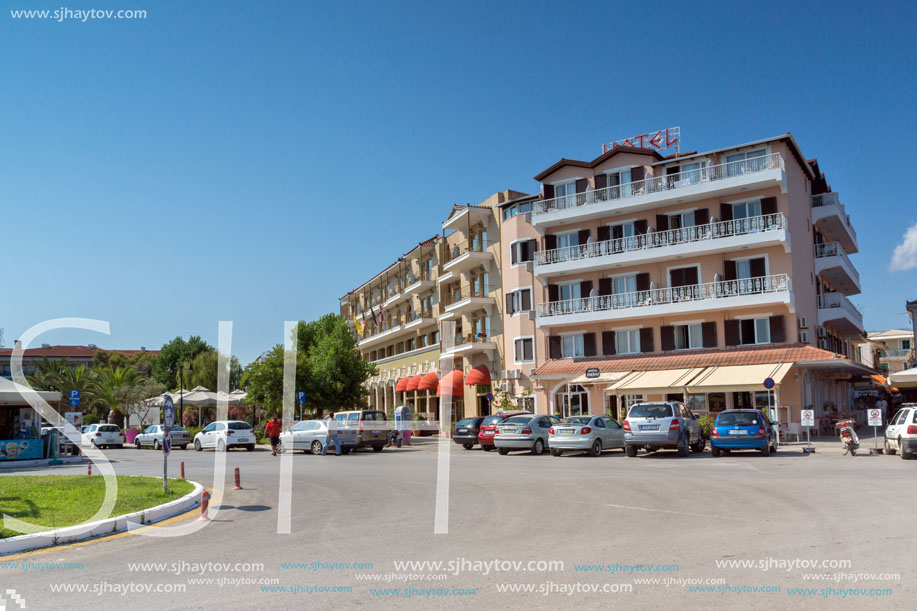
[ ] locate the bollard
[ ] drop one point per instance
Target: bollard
(205, 504)
(238, 481)
(89, 468)
(183, 469)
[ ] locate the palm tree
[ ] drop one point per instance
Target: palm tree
(110, 389)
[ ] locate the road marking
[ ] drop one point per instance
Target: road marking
(682, 513)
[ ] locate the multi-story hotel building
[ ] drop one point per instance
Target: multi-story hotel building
(896, 351)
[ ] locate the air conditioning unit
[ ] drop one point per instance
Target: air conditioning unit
(510, 374)
(804, 337)
(822, 332)
(527, 217)
(823, 344)
(803, 322)
(506, 386)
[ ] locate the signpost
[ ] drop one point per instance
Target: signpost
(771, 413)
(74, 398)
(875, 421)
(300, 401)
(168, 420)
(593, 373)
(807, 419)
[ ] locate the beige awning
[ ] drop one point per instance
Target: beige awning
(904, 379)
(656, 382)
(738, 378)
(608, 377)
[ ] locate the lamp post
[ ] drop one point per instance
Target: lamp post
(181, 387)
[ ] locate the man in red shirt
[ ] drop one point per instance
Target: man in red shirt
(272, 430)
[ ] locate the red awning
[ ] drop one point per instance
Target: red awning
(451, 384)
(429, 382)
(402, 384)
(412, 383)
(479, 376)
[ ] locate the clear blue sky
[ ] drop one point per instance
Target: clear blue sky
(255, 161)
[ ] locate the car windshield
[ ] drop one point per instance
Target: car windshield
(176, 428)
(492, 420)
(111, 428)
(576, 420)
(738, 419)
(239, 426)
(651, 410)
(465, 422)
(518, 420)
(377, 416)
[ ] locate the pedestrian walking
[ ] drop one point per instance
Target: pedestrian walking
(272, 430)
(332, 436)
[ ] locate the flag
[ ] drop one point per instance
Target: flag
(359, 325)
(381, 315)
(373, 312)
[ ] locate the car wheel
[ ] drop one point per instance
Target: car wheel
(137, 443)
(888, 449)
(538, 448)
(701, 444)
(487, 448)
(715, 451)
(221, 446)
(316, 447)
(156, 445)
(250, 447)
(197, 445)
(503, 451)
(630, 450)
(596, 448)
(685, 448)
(773, 449)
(766, 450)
(346, 450)
(184, 446)
(467, 446)
(120, 446)
(904, 453)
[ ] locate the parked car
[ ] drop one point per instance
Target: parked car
(901, 432)
(742, 429)
(662, 425)
(310, 436)
(587, 433)
(103, 436)
(466, 431)
(489, 427)
(524, 432)
(371, 427)
(152, 436)
(225, 434)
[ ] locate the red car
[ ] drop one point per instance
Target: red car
(489, 428)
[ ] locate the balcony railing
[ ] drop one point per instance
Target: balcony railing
(457, 250)
(467, 292)
(696, 292)
(697, 233)
(834, 249)
(658, 184)
(836, 300)
(832, 199)
(478, 338)
(894, 354)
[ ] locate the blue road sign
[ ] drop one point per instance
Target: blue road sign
(168, 413)
(769, 383)
(489, 396)
(74, 397)
(301, 397)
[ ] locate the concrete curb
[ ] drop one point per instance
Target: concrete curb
(61, 536)
(12, 465)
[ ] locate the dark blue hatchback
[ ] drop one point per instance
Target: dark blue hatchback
(742, 429)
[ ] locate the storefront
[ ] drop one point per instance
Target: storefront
(20, 425)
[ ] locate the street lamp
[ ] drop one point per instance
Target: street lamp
(181, 387)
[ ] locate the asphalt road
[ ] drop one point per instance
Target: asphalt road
(376, 509)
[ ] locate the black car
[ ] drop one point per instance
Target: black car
(466, 431)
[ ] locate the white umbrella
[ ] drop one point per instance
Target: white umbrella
(904, 379)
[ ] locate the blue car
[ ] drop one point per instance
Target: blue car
(742, 429)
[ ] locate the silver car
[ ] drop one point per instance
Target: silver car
(310, 436)
(587, 433)
(662, 425)
(527, 432)
(152, 437)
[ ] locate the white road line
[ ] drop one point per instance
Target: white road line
(681, 513)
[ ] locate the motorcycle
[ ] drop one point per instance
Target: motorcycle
(395, 438)
(849, 440)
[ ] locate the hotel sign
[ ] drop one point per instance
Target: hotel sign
(659, 140)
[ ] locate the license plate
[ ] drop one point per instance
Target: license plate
(565, 431)
(463, 430)
(739, 432)
(649, 427)
(509, 430)
(244, 439)
(375, 432)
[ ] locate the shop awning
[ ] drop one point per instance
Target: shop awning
(478, 376)
(15, 394)
(429, 382)
(658, 382)
(604, 378)
(412, 383)
(904, 379)
(738, 378)
(451, 384)
(402, 384)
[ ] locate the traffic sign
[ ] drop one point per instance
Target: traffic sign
(167, 443)
(74, 397)
(769, 383)
(808, 417)
(592, 373)
(875, 417)
(168, 413)
(301, 397)
(489, 396)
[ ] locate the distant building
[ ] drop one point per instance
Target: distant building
(898, 350)
(76, 355)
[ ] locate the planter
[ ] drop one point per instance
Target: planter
(130, 435)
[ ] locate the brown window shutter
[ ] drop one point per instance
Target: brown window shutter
(778, 330)
(667, 337)
(550, 241)
(603, 234)
(691, 277)
(646, 339)
(608, 343)
(604, 286)
(553, 293)
(729, 270)
(585, 287)
(640, 227)
(548, 191)
(554, 347)
(581, 184)
(708, 330)
(637, 173)
(768, 205)
(589, 344)
(725, 212)
(731, 329)
(513, 249)
(617, 232)
(701, 216)
(601, 181)
(509, 304)
(662, 222)
(757, 267)
(643, 282)
(526, 299)
(530, 247)
(582, 236)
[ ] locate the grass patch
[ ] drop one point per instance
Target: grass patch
(65, 500)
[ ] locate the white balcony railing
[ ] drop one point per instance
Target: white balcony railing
(836, 300)
(895, 354)
(652, 297)
(832, 199)
(660, 239)
(834, 249)
(658, 184)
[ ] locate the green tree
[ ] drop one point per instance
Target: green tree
(142, 362)
(172, 354)
(111, 392)
(204, 371)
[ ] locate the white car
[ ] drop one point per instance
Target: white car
(103, 436)
(901, 432)
(225, 434)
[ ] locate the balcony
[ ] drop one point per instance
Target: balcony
(710, 238)
(418, 286)
(832, 219)
(381, 337)
(468, 345)
(836, 310)
(468, 299)
(831, 262)
(419, 321)
(462, 257)
(654, 191)
(895, 354)
(723, 295)
(395, 299)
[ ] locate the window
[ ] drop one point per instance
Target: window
(509, 212)
(697, 403)
(905, 344)
(746, 210)
(622, 181)
(569, 291)
(754, 331)
(479, 284)
(571, 346)
(688, 337)
(742, 163)
(624, 284)
(481, 327)
(572, 403)
(567, 191)
(525, 350)
(681, 219)
(627, 342)
(566, 240)
(522, 251)
(519, 301)
(526, 402)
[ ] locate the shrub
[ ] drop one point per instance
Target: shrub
(706, 422)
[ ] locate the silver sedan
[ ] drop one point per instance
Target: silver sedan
(310, 436)
(152, 437)
(590, 434)
(526, 432)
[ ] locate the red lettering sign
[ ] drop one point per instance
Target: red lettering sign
(660, 140)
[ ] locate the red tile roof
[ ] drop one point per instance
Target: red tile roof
(695, 358)
(72, 352)
(598, 160)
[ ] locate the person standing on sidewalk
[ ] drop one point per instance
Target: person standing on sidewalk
(332, 436)
(272, 430)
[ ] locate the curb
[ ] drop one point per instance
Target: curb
(12, 465)
(109, 526)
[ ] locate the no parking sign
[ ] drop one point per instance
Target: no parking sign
(875, 417)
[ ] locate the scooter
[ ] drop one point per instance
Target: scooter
(849, 440)
(395, 438)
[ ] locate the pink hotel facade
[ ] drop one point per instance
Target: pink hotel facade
(692, 276)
